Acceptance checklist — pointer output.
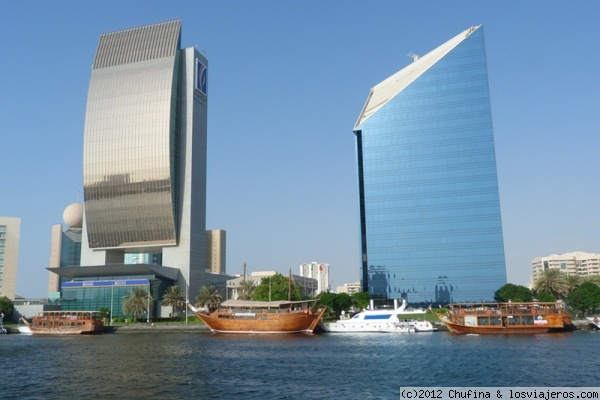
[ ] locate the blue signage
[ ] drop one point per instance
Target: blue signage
(201, 76)
(92, 284)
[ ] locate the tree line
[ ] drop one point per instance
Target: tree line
(582, 294)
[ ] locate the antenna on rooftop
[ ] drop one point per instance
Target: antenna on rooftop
(414, 56)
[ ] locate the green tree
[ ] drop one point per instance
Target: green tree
(175, 298)
(136, 302)
(104, 312)
(545, 296)
(360, 300)
(511, 292)
(7, 307)
(591, 278)
(210, 297)
(586, 298)
(277, 287)
(554, 282)
(337, 302)
(573, 282)
(246, 290)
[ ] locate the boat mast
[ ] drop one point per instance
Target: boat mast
(290, 286)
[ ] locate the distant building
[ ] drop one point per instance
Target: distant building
(308, 286)
(575, 263)
(349, 288)
(65, 248)
(10, 231)
(430, 223)
(318, 271)
(216, 246)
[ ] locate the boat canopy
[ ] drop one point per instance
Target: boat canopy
(262, 304)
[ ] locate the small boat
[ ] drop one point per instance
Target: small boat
(241, 316)
(422, 325)
(535, 317)
(594, 321)
(24, 329)
(379, 320)
(63, 323)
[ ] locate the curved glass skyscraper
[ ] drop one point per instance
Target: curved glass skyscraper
(430, 221)
(145, 151)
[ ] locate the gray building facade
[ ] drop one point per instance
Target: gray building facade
(10, 233)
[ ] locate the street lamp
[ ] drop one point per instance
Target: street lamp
(148, 309)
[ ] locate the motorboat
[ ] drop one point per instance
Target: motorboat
(594, 321)
(379, 320)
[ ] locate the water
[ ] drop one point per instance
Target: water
(326, 366)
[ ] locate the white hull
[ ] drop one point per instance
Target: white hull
(381, 320)
(351, 326)
(24, 330)
(594, 321)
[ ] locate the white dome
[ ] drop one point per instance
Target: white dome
(73, 215)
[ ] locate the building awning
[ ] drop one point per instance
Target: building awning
(117, 270)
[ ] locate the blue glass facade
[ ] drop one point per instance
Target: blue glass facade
(431, 228)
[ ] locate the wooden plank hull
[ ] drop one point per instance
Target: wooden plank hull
(65, 323)
(281, 322)
(461, 329)
(505, 318)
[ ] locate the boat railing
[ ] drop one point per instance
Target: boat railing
(508, 310)
(257, 310)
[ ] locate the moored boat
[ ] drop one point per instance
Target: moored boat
(594, 321)
(241, 316)
(63, 322)
(379, 320)
(533, 317)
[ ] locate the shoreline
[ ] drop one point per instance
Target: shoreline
(578, 325)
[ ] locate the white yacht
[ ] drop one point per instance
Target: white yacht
(381, 320)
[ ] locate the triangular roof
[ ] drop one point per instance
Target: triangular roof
(385, 91)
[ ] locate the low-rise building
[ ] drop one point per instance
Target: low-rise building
(349, 288)
(575, 263)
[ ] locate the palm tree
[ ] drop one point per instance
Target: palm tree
(573, 282)
(136, 302)
(592, 278)
(174, 297)
(552, 281)
(210, 297)
(246, 290)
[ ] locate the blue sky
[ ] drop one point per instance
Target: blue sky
(287, 81)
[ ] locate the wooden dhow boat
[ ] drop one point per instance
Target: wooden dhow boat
(63, 322)
(241, 316)
(483, 318)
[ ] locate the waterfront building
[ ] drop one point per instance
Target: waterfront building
(319, 272)
(144, 170)
(216, 246)
(10, 232)
(349, 288)
(430, 223)
(65, 248)
(576, 263)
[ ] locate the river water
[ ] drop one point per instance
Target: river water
(167, 365)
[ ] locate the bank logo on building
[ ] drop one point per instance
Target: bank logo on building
(201, 77)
